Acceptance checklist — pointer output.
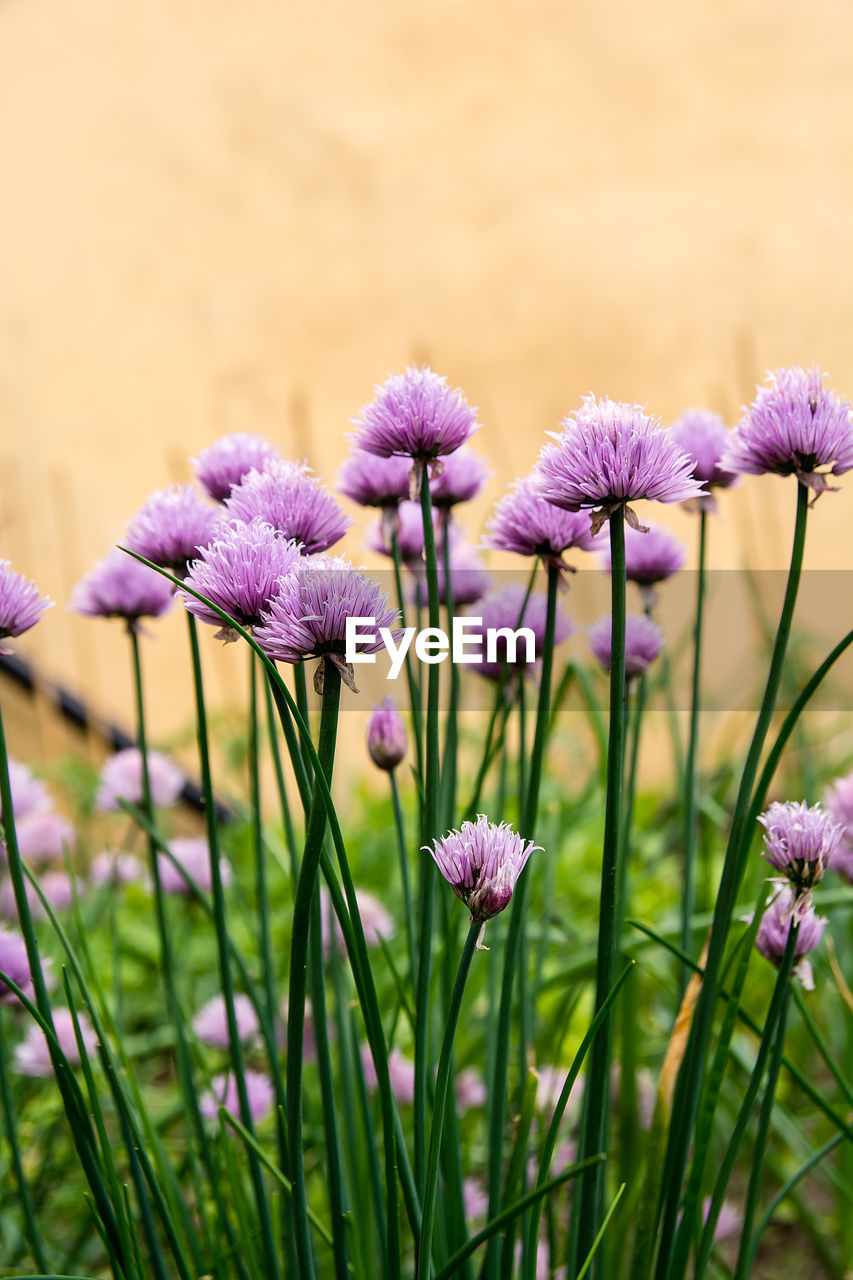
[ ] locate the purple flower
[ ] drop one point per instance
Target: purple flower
(307, 619)
(794, 425)
(121, 779)
(386, 736)
(509, 610)
(14, 962)
(260, 1095)
(108, 868)
(649, 557)
(21, 605)
(476, 1200)
(703, 436)
(227, 462)
(469, 577)
(42, 836)
(728, 1223)
(463, 474)
(120, 587)
(409, 527)
(32, 1056)
(774, 930)
(482, 862)
(29, 794)
(287, 496)
(56, 887)
(210, 1024)
(375, 921)
(471, 1089)
(415, 414)
(526, 523)
(609, 454)
(374, 482)
(800, 842)
(172, 527)
(838, 800)
(193, 854)
(241, 572)
(401, 1071)
(643, 642)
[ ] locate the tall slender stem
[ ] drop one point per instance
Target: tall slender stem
(597, 1103)
(24, 1195)
(451, 737)
(691, 771)
(261, 893)
(675, 1246)
(403, 851)
(306, 887)
(441, 1087)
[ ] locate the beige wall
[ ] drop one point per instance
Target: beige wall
(219, 216)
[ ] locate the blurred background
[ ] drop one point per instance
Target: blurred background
(219, 217)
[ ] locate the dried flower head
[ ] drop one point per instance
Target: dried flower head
(32, 1056)
(241, 573)
(374, 482)
(120, 587)
(643, 642)
(172, 527)
(502, 613)
(121, 779)
(386, 736)
(227, 462)
(609, 454)
(799, 842)
(775, 927)
(838, 800)
(21, 605)
(793, 427)
(528, 524)
(288, 496)
(307, 619)
(482, 862)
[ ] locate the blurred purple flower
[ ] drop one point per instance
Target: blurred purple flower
(838, 799)
(29, 794)
(14, 962)
(193, 854)
(376, 922)
(471, 1089)
(374, 482)
(107, 868)
(527, 524)
(469, 577)
(703, 436)
(401, 1071)
(21, 605)
(650, 557)
(210, 1024)
(121, 779)
(800, 842)
(463, 474)
(120, 587)
(227, 462)
(289, 497)
(409, 527)
(502, 611)
(794, 425)
(643, 642)
(307, 619)
(609, 454)
(56, 887)
(728, 1223)
(172, 527)
(482, 862)
(42, 836)
(386, 736)
(476, 1200)
(223, 1092)
(32, 1056)
(241, 572)
(775, 927)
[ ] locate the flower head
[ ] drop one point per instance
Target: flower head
(120, 587)
(376, 922)
(386, 736)
(401, 1072)
(289, 497)
(172, 527)
(29, 793)
(42, 836)
(121, 779)
(775, 927)
(799, 842)
(507, 611)
(107, 868)
(482, 862)
(15, 963)
(21, 605)
(643, 642)
(838, 800)
(469, 577)
(703, 436)
(374, 482)
(650, 557)
(528, 524)
(609, 454)
(794, 426)
(32, 1056)
(408, 525)
(192, 853)
(227, 462)
(56, 887)
(462, 476)
(223, 1092)
(307, 619)
(415, 414)
(241, 572)
(211, 1022)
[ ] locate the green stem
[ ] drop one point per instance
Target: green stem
(414, 692)
(287, 820)
(403, 850)
(598, 1103)
(691, 770)
(451, 738)
(25, 1198)
(439, 1102)
(675, 1244)
(261, 891)
(306, 887)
